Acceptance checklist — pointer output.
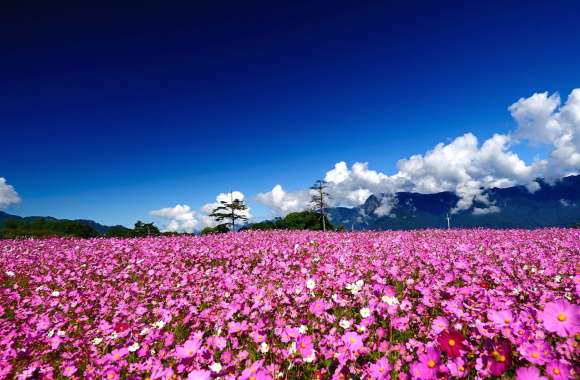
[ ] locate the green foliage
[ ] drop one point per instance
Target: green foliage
(145, 229)
(230, 211)
(219, 229)
(12, 229)
(304, 220)
(120, 232)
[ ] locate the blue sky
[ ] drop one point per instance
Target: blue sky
(108, 113)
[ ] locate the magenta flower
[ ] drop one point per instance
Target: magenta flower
(352, 341)
(558, 370)
(421, 371)
(380, 370)
(538, 352)
(188, 349)
(500, 319)
(562, 318)
(68, 369)
(119, 354)
(304, 346)
(430, 359)
(199, 374)
(529, 373)
(451, 342)
(439, 324)
(500, 357)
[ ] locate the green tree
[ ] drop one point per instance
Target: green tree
(120, 231)
(219, 229)
(319, 200)
(145, 229)
(230, 211)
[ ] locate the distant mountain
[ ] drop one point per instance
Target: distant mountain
(556, 205)
(96, 226)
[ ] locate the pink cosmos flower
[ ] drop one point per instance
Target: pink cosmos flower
(352, 341)
(562, 318)
(558, 370)
(380, 370)
(68, 369)
(500, 357)
(304, 346)
(451, 342)
(439, 324)
(529, 373)
(318, 307)
(457, 367)
(199, 374)
(111, 373)
(188, 349)
(431, 360)
(538, 352)
(119, 354)
(500, 319)
(421, 371)
(252, 372)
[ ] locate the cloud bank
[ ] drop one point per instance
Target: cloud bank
(464, 165)
(181, 218)
(8, 196)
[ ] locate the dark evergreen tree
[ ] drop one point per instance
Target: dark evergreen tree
(230, 211)
(319, 199)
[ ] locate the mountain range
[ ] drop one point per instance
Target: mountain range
(96, 226)
(552, 205)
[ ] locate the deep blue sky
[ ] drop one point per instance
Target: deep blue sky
(108, 113)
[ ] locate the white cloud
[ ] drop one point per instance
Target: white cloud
(181, 218)
(8, 196)
(463, 166)
(282, 202)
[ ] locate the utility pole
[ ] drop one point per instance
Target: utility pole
(448, 222)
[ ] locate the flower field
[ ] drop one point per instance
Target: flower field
(293, 305)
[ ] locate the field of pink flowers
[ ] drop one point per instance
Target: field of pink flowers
(293, 305)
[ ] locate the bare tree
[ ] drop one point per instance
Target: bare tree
(319, 199)
(230, 211)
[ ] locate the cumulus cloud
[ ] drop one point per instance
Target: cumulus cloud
(8, 196)
(282, 202)
(181, 218)
(464, 165)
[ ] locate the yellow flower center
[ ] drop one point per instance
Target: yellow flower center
(303, 345)
(506, 321)
(557, 371)
(111, 375)
(252, 377)
(451, 342)
(431, 363)
(535, 355)
(461, 368)
(190, 352)
(562, 317)
(117, 356)
(381, 370)
(501, 359)
(352, 340)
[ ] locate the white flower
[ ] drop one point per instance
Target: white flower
(10, 274)
(302, 329)
(144, 331)
(297, 290)
(558, 278)
(51, 333)
(354, 291)
(390, 300)
(60, 333)
(55, 293)
(296, 247)
(365, 312)
(215, 367)
(134, 347)
(159, 324)
(97, 341)
(344, 324)
(264, 347)
(359, 284)
(335, 297)
(292, 348)
(310, 284)
(113, 335)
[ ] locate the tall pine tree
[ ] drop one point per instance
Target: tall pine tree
(230, 211)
